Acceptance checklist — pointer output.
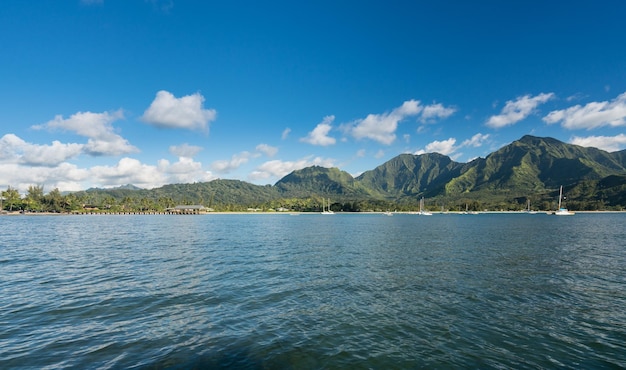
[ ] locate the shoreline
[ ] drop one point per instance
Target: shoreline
(155, 213)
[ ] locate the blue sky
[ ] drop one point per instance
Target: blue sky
(101, 93)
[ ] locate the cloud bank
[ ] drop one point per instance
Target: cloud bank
(592, 115)
(608, 143)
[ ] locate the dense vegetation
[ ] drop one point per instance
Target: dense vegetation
(529, 170)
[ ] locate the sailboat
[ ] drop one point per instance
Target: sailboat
(326, 211)
(562, 211)
(528, 210)
(422, 212)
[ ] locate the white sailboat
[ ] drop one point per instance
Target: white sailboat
(422, 212)
(528, 210)
(562, 211)
(326, 211)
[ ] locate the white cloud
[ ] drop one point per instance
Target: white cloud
(592, 115)
(187, 112)
(279, 169)
(285, 133)
(382, 127)
(449, 147)
(98, 128)
(15, 150)
(436, 111)
(64, 176)
(132, 171)
(128, 171)
(444, 147)
(184, 166)
(608, 143)
(18, 173)
(186, 170)
(476, 140)
(577, 96)
(87, 124)
(319, 135)
(115, 145)
(185, 150)
(225, 166)
(49, 155)
(515, 111)
(268, 150)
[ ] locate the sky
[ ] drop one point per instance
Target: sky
(103, 93)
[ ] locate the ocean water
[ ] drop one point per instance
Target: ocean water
(359, 291)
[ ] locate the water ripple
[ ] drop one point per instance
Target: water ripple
(358, 291)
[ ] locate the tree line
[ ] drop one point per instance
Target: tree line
(36, 200)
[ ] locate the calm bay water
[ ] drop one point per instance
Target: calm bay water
(313, 291)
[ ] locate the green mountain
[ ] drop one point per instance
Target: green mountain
(322, 181)
(411, 175)
(534, 164)
(529, 169)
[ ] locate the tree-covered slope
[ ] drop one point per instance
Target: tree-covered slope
(317, 180)
(531, 167)
(534, 164)
(411, 175)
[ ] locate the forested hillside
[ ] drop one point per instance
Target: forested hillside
(528, 170)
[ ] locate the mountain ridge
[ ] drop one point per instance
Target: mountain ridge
(531, 167)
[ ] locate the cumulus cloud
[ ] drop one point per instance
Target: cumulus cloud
(608, 143)
(279, 169)
(127, 171)
(87, 124)
(449, 147)
(185, 150)
(319, 135)
(185, 170)
(97, 127)
(65, 176)
(21, 174)
(517, 110)
(225, 166)
(116, 145)
(133, 171)
(592, 115)
(476, 141)
(167, 111)
(436, 111)
(15, 150)
(268, 150)
(444, 147)
(382, 127)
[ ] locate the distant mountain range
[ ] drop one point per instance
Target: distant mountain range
(529, 169)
